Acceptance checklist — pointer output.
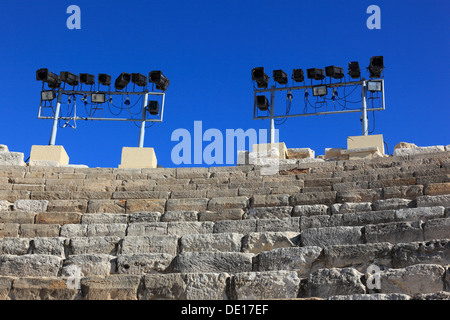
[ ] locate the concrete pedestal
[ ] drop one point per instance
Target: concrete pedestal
(138, 158)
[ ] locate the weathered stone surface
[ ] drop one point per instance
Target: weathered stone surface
(375, 296)
(370, 217)
(93, 230)
(311, 198)
(395, 232)
(239, 226)
(145, 216)
(437, 229)
(143, 263)
(60, 218)
(31, 205)
(150, 244)
(359, 256)
(228, 214)
(189, 286)
(111, 287)
(11, 159)
(225, 242)
(179, 216)
(13, 195)
(321, 221)
(398, 152)
(149, 205)
(423, 213)
(264, 285)
(441, 295)
(43, 289)
(30, 265)
(106, 206)
(405, 192)
(310, 210)
(39, 230)
(364, 195)
(4, 148)
(270, 212)
(331, 236)
(300, 153)
(412, 280)
(394, 203)
(5, 205)
(90, 264)
(270, 200)
(17, 217)
(200, 204)
(49, 245)
(5, 287)
(325, 283)
(147, 229)
(350, 207)
(189, 227)
(256, 242)
(192, 262)
(429, 201)
(429, 252)
(94, 245)
(223, 203)
(435, 189)
(299, 259)
(278, 225)
(14, 246)
(68, 206)
(9, 230)
(90, 218)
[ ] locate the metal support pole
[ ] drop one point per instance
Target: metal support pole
(55, 119)
(365, 122)
(144, 114)
(272, 113)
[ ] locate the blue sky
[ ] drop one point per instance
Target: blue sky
(207, 49)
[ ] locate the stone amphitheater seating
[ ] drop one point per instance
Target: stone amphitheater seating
(311, 231)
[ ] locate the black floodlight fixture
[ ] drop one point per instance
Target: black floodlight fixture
(262, 103)
(354, 71)
(319, 91)
(376, 66)
(159, 80)
(48, 95)
(262, 79)
(98, 98)
(374, 86)
(104, 79)
(122, 81)
(87, 78)
(69, 78)
(153, 107)
(139, 79)
(334, 72)
(50, 78)
(298, 75)
(315, 74)
(280, 76)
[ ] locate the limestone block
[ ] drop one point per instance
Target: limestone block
(106, 206)
(418, 150)
(227, 214)
(430, 252)
(144, 216)
(4, 148)
(311, 198)
(94, 245)
(270, 212)
(223, 203)
(13, 195)
(402, 145)
(147, 229)
(5, 287)
(5, 205)
(90, 218)
(325, 283)
(9, 230)
(256, 242)
(39, 230)
(441, 295)
(30, 265)
(225, 242)
(278, 225)
(357, 142)
(435, 189)
(270, 200)
(264, 285)
(215, 262)
(359, 256)
(189, 227)
(321, 221)
(369, 195)
(299, 259)
(300, 153)
(375, 296)
(199, 204)
(14, 246)
(437, 229)
(51, 288)
(350, 207)
(310, 210)
(138, 158)
(150, 244)
(11, 159)
(60, 218)
(364, 218)
(191, 173)
(90, 264)
(242, 158)
(67, 206)
(278, 150)
(333, 153)
(423, 213)
(395, 232)
(50, 245)
(239, 226)
(49, 153)
(143, 263)
(412, 280)
(429, 201)
(17, 217)
(43, 163)
(111, 287)
(394, 203)
(94, 230)
(323, 237)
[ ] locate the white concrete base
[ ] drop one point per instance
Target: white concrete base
(271, 150)
(138, 158)
(49, 153)
(359, 142)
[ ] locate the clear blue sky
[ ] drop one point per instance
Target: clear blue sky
(207, 49)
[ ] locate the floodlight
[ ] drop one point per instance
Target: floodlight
(153, 107)
(139, 79)
(376, 66)
(48, 95)
(69, 78)
(122, 81)
(280, 76)
(159, 80)
(52, 79)
(315, 73)
(353, 70)
(334, 72)
(262, 79)
(98, 98)
(104, 79)
(262, 103)
(298, 75)
(87, 78)
(373, 86)
(320, 91)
